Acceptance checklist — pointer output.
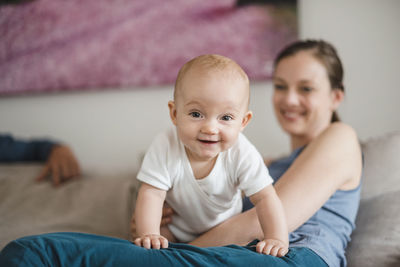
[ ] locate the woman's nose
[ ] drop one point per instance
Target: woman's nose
(291, 98)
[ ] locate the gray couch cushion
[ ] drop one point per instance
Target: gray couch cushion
(376, 240)
(97, 205)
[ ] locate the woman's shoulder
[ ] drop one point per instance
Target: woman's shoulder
(341, 133)
(338, 137)
(342, 128)
(344, 149)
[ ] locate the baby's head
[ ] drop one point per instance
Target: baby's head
(210, 105)
(210, 65)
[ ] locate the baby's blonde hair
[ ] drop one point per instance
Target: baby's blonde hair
(210, 63)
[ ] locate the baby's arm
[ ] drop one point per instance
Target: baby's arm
(148, 213)
(273, 222)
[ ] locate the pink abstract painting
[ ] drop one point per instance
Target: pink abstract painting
(69, 45)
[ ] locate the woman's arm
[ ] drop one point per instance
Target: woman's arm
(330, 162)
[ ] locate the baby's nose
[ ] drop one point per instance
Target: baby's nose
(209, 127)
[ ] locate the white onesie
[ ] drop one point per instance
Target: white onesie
(200, 204)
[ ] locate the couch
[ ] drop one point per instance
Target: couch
(376, 240)
(103, 205)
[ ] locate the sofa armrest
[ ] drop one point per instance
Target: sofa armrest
(376, 240)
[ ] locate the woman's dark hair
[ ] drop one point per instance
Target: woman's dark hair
(326, 54)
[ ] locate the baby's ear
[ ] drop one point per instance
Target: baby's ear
(246, 119)
(172, 111)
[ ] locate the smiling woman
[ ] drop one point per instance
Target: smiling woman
(327, 57)
(299, 100)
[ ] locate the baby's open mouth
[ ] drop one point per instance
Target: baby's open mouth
(208, 141)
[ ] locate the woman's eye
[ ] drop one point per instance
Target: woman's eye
(279, 87)
(306, 89)
(227, 118)
(195, 114)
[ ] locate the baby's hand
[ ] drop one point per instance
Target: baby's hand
(152, 241)
(272, 247)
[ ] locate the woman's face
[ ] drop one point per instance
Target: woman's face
(303, 98)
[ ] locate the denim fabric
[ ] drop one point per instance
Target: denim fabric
(77, 249)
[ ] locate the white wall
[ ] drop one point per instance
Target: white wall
(367, 36)
(109, 130)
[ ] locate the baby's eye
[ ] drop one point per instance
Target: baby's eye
(195, 114)
(226, 118)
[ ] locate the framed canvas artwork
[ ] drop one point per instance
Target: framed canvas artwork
(57, 45)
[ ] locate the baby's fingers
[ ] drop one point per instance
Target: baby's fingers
(138, 242)
(146, 242)
(263, 247)
(282, 252)
(155, 243)
(273, 248)
(143, 242)
(159, 242)
(268, 249)
(164, 242)
(274, 251)
(151, 242)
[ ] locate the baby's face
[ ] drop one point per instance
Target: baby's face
(210, 111)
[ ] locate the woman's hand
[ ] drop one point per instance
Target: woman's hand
(61, 165)
(166, 219)
(272, 247)
(268, 161)
(155, 241)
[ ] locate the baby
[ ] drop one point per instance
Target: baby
(201, 166)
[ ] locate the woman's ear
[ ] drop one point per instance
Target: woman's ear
(246, 119)
(337, 98)
(172, 111)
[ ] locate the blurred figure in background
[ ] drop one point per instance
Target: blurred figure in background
(60, 162)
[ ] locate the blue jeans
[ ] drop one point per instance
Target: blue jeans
(77, 249)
